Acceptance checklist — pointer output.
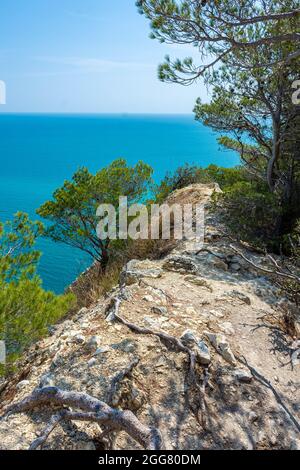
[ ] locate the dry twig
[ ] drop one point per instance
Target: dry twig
(119, 377)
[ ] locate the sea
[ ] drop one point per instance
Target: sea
(38, 152)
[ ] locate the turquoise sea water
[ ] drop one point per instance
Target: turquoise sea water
(37, 152)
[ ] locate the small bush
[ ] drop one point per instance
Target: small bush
(94, 283)
(291, 289)
(26, 312)
(251, 211)
(191, 174)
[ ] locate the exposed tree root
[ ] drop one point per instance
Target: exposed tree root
(119, 378)
(208, 250)
(266, 383)
(142, 282)
(54, 421)
(277, 271)
(200, 408)
(89, 409)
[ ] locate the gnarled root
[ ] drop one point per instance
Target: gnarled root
(200, 412)
(89, 409)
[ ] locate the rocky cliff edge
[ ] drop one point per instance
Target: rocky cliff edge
(218, 306)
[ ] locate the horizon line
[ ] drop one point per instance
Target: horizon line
(62, 113)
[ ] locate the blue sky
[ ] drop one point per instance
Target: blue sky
(85, 56)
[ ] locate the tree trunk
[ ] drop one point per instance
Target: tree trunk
(104, 260)
(275, 154)
(290, 214)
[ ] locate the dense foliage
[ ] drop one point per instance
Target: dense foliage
(252, 54)
(26, 309)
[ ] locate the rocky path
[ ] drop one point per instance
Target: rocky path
(218, 306)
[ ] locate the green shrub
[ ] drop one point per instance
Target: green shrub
(26, 309)
(26, 312)
(248, 207)
(192, 174)
(251, 211)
